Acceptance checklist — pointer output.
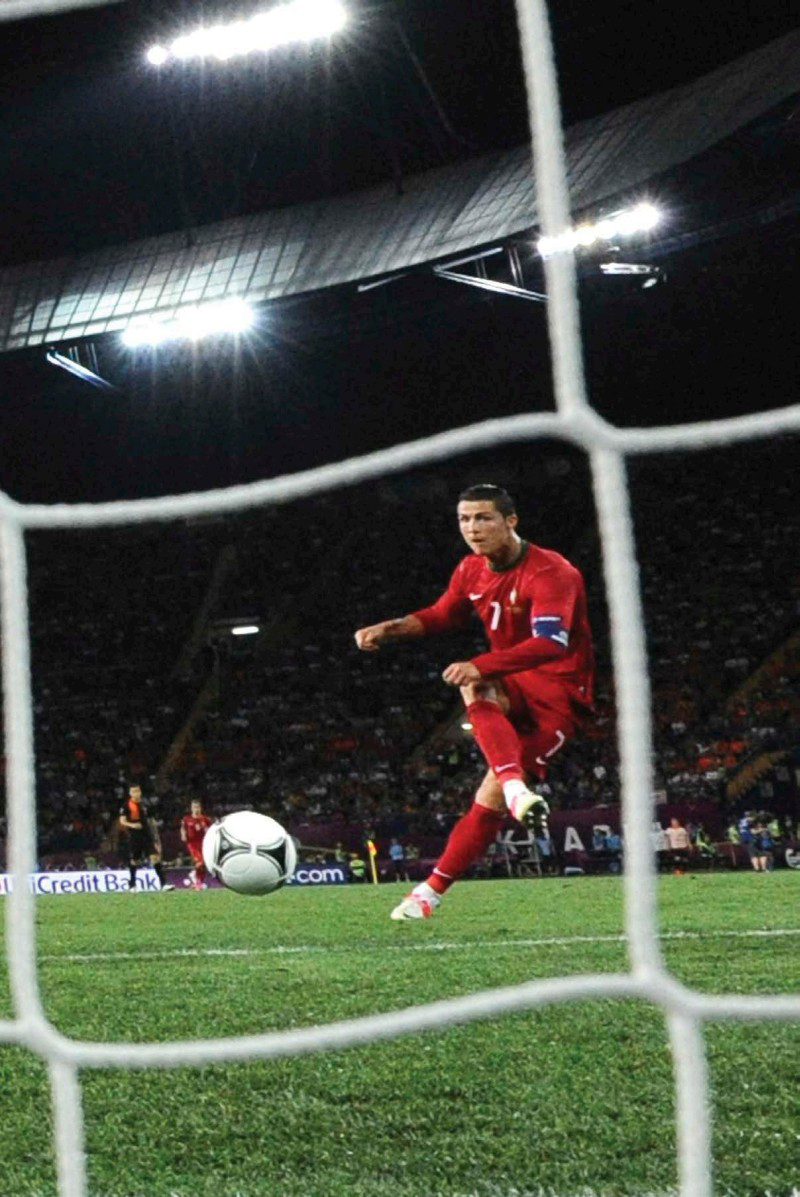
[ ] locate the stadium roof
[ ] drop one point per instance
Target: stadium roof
(451, 210)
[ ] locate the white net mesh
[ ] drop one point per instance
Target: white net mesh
(685, 1010)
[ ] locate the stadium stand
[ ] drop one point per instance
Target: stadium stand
(136, 674)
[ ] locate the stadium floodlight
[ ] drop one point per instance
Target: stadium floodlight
(157, 55)
(651, 274)
(628, 268)
(296, 21)
(245, 629)
(626, 223)
(231, 316)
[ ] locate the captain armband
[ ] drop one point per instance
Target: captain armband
(550, 627)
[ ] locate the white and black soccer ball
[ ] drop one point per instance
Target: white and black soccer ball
(249, 853)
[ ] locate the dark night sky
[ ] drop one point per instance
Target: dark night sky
(101, 149)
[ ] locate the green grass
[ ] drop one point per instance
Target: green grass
(563, 1100)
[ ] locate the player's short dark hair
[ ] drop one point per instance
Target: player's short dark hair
(487, 491)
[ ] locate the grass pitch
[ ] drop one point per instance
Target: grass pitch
(567, 1100)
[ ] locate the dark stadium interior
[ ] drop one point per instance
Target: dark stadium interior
(135, 675)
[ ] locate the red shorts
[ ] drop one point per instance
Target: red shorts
(196, 852)
(543, 716)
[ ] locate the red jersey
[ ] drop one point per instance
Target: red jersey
(534, 613)
(195, 827)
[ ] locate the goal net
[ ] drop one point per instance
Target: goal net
(608, 448)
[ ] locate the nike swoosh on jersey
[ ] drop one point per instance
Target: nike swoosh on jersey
(474, 597)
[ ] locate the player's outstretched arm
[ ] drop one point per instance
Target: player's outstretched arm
(370, 639)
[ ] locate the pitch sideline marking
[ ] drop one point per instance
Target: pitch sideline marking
(308, 949)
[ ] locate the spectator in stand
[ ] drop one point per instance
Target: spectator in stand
(775, 830)
(703, 845)
(606, 848)
(614, 848)
(763, 849)
(546, 850)
(680, 845)
(357, 867)
(746, 837)
(598, 839)
(397, 856)
(660, 844)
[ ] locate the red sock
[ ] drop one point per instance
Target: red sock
(497, 739)
(467, 843)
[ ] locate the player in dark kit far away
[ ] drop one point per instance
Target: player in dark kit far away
(527, 696)
(139, 841)
(193, 828)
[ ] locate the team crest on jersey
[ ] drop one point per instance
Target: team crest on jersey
(550, 627)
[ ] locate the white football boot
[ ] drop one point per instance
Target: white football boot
(415, 906)
(526, 806)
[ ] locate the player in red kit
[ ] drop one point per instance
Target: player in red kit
(527, 696)
(193, 827)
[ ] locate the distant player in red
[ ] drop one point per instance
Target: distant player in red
(527, 696)
(193, 827)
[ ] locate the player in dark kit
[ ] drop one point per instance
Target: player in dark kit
(527, 696)
(139, 842)
(193, 829)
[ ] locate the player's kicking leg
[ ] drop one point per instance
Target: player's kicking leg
(526, 806)
(466, 844)
(487, 707)
(504, 789)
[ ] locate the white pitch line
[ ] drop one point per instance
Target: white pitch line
(437, 946)
(497, 1191)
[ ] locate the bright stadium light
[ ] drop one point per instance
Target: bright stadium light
(296, 21)
(157, 55)
(626, 223)
(231, 316)
(246, 629)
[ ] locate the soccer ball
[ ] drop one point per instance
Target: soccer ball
(249, 853)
